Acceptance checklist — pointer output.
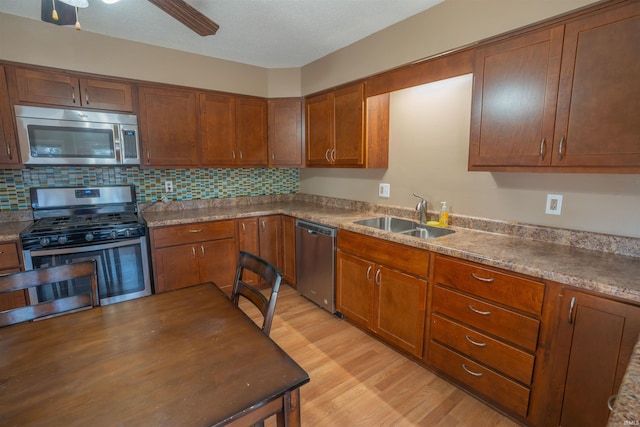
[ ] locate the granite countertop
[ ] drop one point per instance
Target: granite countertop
(607, 273)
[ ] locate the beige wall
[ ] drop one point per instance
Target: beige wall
(34, 42)
(429, 137)
(449, 25)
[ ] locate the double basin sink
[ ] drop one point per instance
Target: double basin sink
(404, 226)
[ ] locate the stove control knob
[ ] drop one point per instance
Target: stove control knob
(127, 233)
(114, 234)
(44, 241)
(62, 240)
(88, 237)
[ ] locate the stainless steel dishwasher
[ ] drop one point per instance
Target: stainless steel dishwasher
(315, 263)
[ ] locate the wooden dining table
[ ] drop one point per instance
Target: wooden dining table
(184, 358)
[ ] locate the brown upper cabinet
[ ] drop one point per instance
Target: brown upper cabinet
(168, 120)
(285, 132)
(560, 99)
(70, 90)
(9, 148)
(234, 130)
(345, 129)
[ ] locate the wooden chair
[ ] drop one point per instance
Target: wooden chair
(266, 272)
(23, 280)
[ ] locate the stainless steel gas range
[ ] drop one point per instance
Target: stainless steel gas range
(73, 224)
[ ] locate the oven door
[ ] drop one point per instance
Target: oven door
(123, 270)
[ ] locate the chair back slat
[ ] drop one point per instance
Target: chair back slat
(24, 280)
(267, 273)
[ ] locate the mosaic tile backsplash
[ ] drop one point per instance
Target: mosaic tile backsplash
(189, 184)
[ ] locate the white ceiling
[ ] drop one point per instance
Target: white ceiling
(265, 33)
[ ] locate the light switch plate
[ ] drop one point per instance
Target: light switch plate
(554, 204)
(384, 190)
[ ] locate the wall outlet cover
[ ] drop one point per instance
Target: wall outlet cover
(554, 204)
(168, 186)
(384, 190)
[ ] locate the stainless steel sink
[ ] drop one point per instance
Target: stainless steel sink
(404, 226)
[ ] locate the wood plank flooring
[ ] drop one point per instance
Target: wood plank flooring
(358, 381)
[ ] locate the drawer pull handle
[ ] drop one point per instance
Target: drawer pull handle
(368, 271)
(470, 372)
(195, 230)
(378, 277)
(478, 344)
(475, 310)
(483, 279)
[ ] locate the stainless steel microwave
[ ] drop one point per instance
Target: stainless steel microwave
(55, 136)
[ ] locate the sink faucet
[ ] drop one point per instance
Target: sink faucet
(422, 208)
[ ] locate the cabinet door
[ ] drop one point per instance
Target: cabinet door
(217, 116)
(218, 261)
(285, 132)
(599, 96)
(176, 267)
(399, 307)
(8, 145)
(514, 99)
(354, 288)
(596, 337)
(169, 127)
(46, 87)
(289, 249)
(349, 126)
(10, 263)
(270, 238)
(106, 95)
(248, 241)
(251, 132)
(319, 126)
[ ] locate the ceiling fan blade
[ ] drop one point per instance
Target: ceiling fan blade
(66, 13)
(188, 15)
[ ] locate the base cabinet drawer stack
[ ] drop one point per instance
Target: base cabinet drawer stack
(484, 330)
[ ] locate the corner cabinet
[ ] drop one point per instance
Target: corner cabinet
(185, 255)
(561, 99)
(594, 339)
(9, 146)
(382, 292)
(285, 132)
(336, 124)
(484, 327)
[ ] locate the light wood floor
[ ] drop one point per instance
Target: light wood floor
(358, 381)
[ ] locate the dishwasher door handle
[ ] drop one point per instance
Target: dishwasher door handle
(312, 232)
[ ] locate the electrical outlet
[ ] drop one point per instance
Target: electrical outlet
(384, 190)
(554, 204)
(168, 186)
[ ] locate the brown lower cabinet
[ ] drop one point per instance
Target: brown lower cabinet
(10, 262)
(594, 340)
(184, 255)
(381, 292)
(261, 236)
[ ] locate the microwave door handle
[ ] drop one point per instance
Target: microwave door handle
(117, 133)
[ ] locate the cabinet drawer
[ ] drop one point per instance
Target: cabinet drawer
(9, 256)
(508, 394)
(401, 257)
(191, 233)
(510, 361)
(506, 324)
(521, 294)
